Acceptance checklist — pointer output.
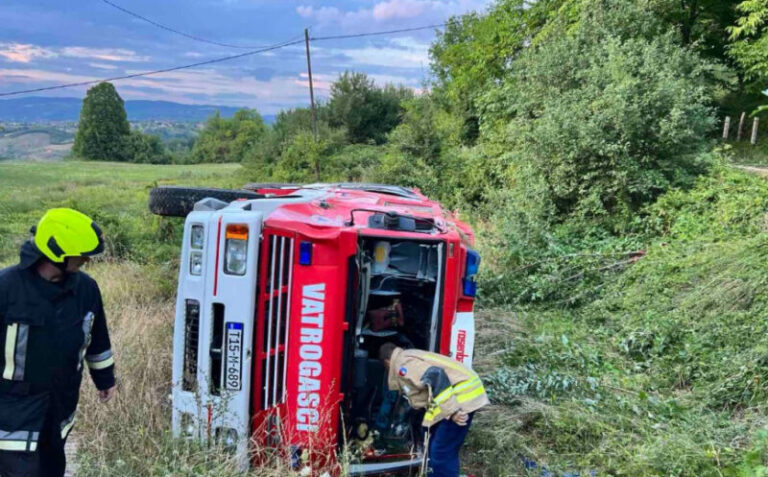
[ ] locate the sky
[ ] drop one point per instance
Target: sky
(49, 42)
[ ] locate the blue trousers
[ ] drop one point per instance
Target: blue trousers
(445, 441)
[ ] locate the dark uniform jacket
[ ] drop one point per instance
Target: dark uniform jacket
(48, 333)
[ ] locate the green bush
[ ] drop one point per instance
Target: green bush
(144, 149)
(365, 111)
(229, 140)
(599, 121)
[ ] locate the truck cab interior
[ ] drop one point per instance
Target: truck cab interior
(398, 300)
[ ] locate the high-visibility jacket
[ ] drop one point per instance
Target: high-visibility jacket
(49, 332)
(436, 383)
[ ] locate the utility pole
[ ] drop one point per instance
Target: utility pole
(311, 87)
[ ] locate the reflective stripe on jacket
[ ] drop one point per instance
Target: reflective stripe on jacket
(436, 383)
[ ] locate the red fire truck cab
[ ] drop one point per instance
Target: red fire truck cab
(285, 295)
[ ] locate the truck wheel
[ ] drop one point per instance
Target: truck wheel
(270, 185)
(174, 201)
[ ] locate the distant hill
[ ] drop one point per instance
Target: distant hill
(40, 109)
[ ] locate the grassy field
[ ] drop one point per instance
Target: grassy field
(115, 194)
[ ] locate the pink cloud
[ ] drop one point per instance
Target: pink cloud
(24, 53)
(104, 54)
(398, 9)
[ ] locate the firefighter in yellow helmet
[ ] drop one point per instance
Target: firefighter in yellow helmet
(52, 326)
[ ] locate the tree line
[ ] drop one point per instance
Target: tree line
(357, 112)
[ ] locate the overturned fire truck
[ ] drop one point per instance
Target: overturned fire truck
(285, 295)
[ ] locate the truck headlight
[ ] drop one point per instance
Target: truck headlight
(196, 263)
(227, 438)
(187, 425)
(197, 237)
(236, 249)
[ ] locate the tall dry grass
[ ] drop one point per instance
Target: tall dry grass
(130, 436)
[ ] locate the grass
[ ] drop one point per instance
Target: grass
(665, 371)
(130, 436)
(114, 194)
(744, 153)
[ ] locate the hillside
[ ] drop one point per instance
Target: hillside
(44, 109)
(665, 371)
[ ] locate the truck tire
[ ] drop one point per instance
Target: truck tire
(175, 201)
(270, 185)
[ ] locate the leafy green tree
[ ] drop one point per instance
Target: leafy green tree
(103, 126)
(306, 160)
(229, 140)
(598, 120)
(476, 50)
(144, 148)
(367, 112)
(750, 39)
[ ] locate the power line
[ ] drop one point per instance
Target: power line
(218, 60)
(154, 72)
(173, 30)
(376, 33)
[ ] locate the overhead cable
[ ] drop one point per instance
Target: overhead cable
(376, 33)
(218, 60)
(173, 30)
(154, 72)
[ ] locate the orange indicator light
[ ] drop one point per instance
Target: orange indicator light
(237, 232)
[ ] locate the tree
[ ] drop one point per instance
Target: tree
(474, 51)
(144, 148)
(229, 140)
(750, 39)
(598, 120)
(103, 126)
(367, 112)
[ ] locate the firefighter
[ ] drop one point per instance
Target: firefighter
(448, 391)
(52, 326)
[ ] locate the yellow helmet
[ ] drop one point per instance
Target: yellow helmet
(63, 233)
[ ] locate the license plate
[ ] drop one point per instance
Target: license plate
(233, 365)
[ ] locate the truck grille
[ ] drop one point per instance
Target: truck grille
(191, 339)
(277, 309)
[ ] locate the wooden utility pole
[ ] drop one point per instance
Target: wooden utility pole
(754, 130)
(741, 125)
(726, 127)
(311, 86)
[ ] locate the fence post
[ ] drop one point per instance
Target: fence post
(741, 125)
(754, 130)
(726, 127)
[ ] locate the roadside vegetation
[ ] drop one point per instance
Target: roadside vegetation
(623, 288)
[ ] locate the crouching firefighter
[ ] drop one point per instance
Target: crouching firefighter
(52, 326)
(448, 391)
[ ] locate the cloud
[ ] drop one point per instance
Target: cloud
(398, 9)
(402, 52)
(10, 76)
(389, 11)
(102, 66)
(105, 54)
(24, 53)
